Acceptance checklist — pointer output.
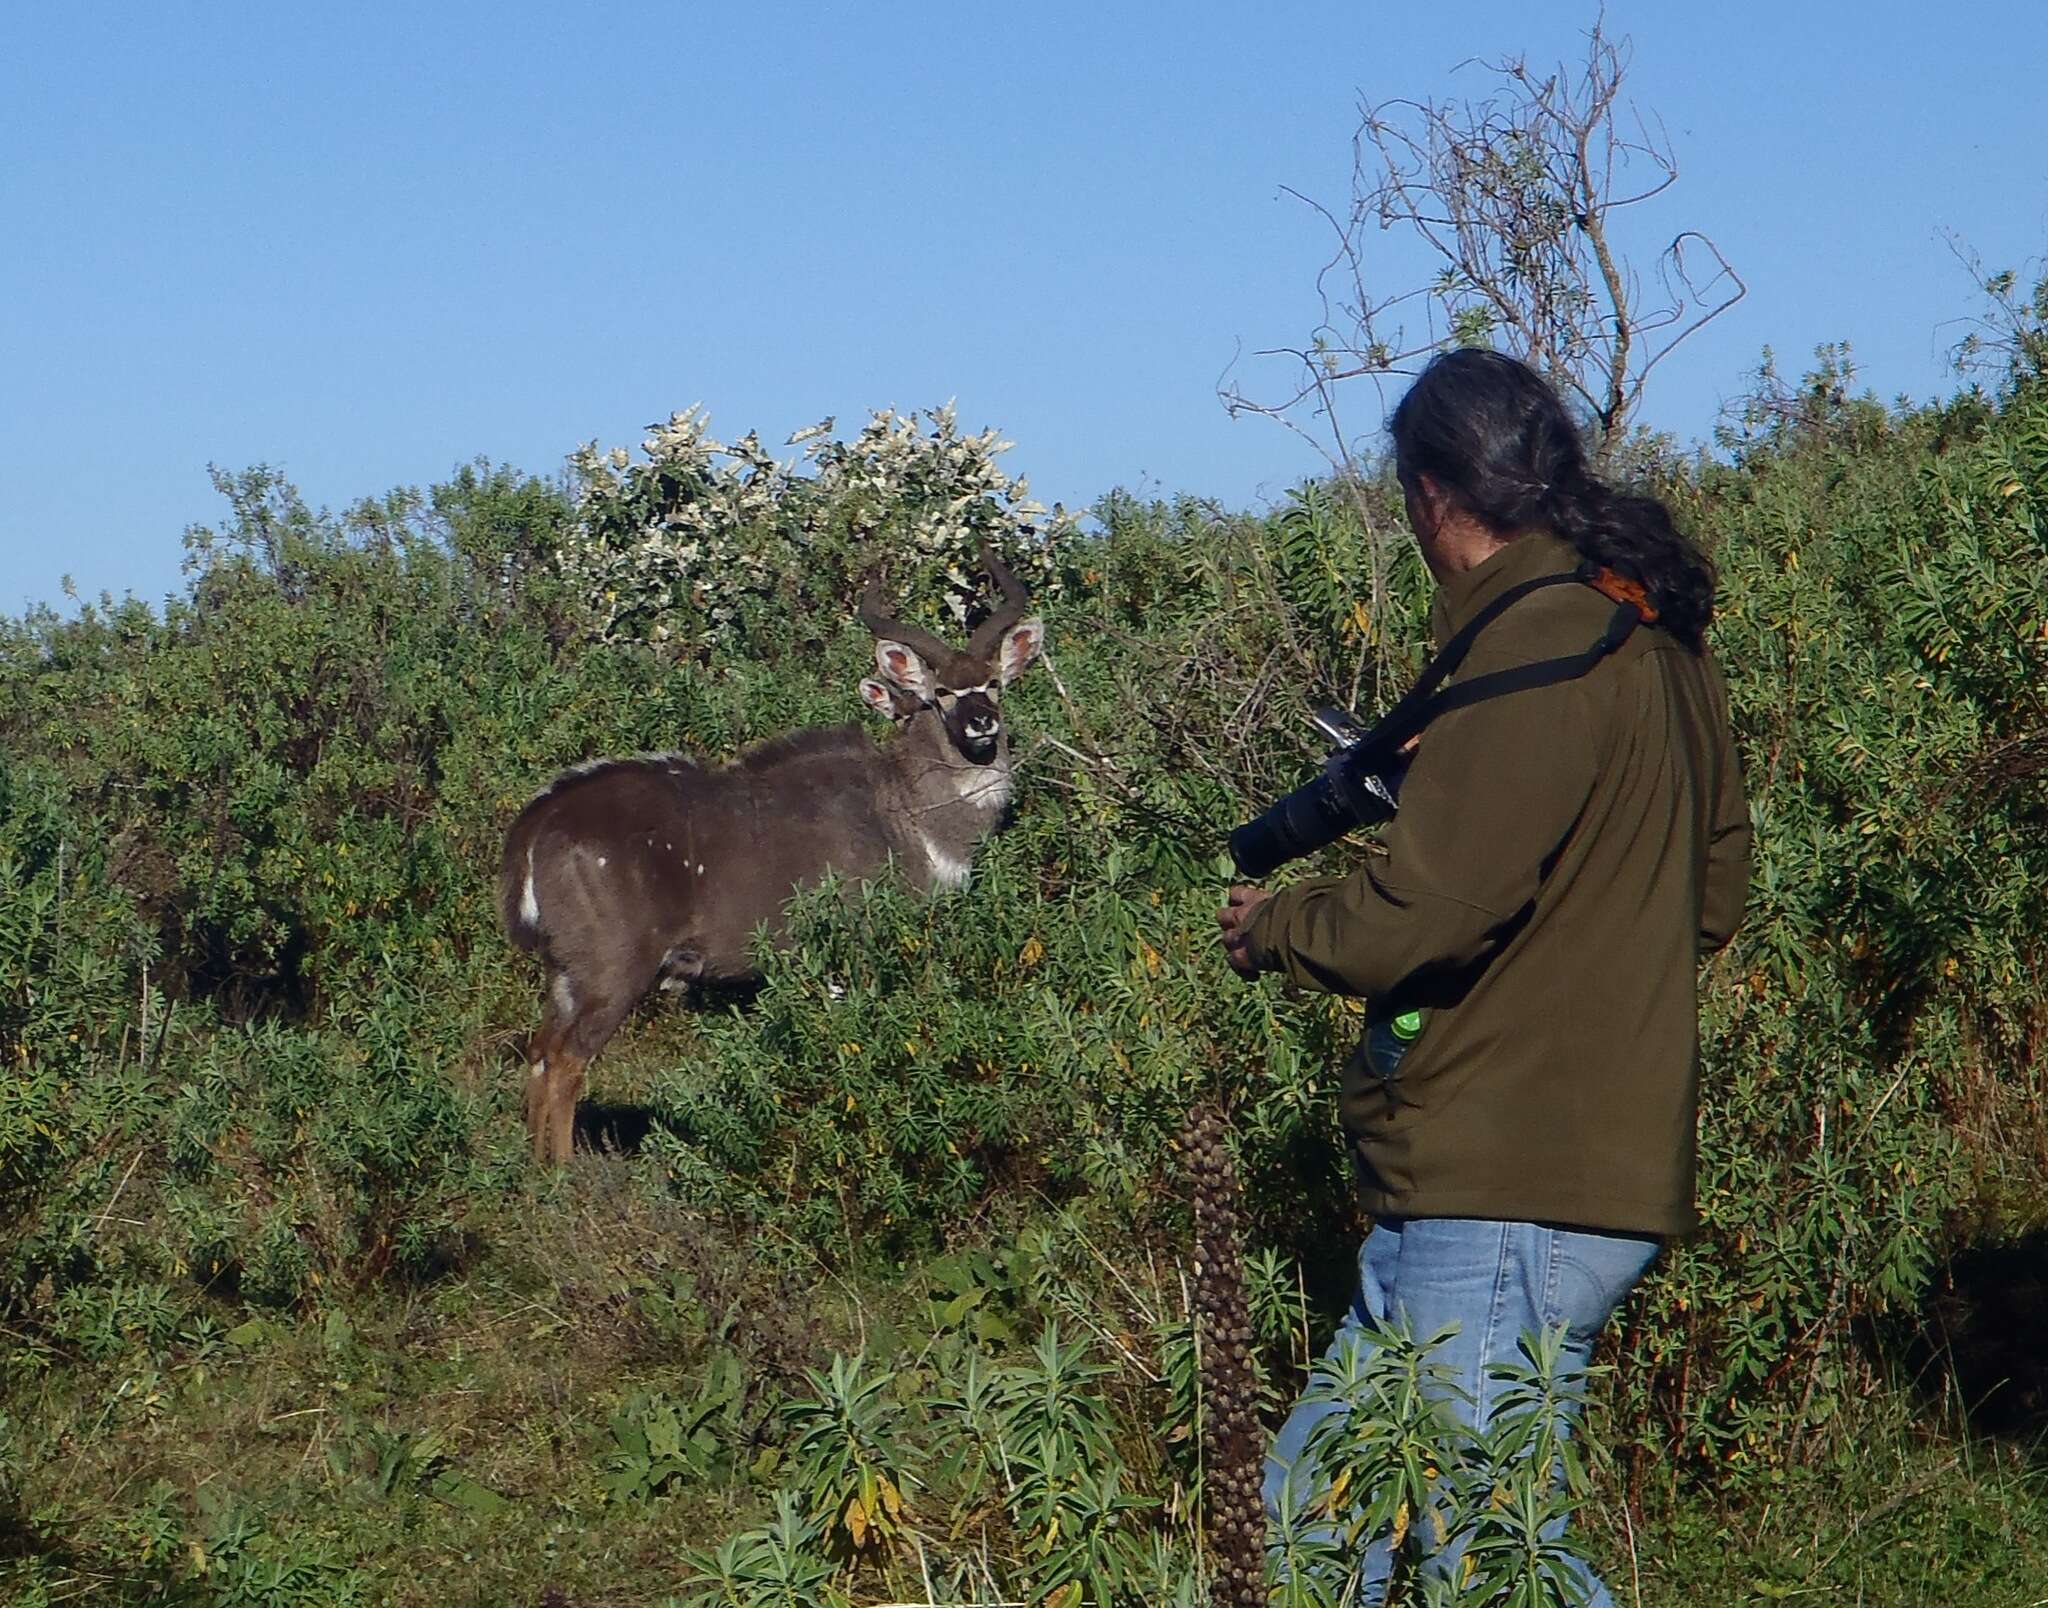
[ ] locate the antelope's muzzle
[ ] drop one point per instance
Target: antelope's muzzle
(980, 726)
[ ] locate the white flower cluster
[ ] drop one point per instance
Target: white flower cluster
(672, 549)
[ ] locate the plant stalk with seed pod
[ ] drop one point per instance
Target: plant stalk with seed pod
(1232, 1444)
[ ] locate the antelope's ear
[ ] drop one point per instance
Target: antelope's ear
(901, 667)
(1020, 646)
(878, 698)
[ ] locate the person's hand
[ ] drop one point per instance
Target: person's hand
(1233, 918)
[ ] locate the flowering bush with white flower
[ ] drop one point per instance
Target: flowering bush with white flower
(681, 548)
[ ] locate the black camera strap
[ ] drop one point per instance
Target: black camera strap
(1422, 703)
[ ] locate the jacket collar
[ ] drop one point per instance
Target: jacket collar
(1524, 559)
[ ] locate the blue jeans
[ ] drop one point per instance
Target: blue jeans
(1495, 1281)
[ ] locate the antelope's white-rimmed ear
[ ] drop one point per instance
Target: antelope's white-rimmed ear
(1020, 646)
(878, 698)
(900, 666)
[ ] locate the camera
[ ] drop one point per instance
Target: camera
(1360, 785)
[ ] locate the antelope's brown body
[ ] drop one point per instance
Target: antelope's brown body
(626, 873)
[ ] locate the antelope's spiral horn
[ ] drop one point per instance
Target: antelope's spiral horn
(933, 650)
(1016, 599)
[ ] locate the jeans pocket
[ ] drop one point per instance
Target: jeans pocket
(1592, 1275)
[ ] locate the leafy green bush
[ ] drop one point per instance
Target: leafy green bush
(657, 1440)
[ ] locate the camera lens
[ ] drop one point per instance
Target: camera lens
(1298, 823)
(1347, 795)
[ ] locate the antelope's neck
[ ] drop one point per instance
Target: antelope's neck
(985, 788)
(951, 805)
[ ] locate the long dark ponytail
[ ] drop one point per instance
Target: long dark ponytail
(1494, 436)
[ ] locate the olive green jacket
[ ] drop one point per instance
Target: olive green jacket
(1562, 860)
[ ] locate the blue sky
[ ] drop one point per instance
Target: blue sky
(368, 243)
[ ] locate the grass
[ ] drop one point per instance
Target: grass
(507, 1376)
(446, 1443)
(1902, 1516)
(327, 1442)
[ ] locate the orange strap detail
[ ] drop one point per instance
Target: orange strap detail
(1623, 590)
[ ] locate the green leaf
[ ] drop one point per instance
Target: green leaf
(957, 1309)
(459, 1490)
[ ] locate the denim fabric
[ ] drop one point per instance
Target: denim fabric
(1495, 1281)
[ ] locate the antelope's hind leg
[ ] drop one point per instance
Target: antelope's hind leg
(590, 1025)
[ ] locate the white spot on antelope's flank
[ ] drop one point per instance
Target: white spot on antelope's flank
(700, 870)
(565, 997)
(529, 902)
(601, 862)
(537, 1070)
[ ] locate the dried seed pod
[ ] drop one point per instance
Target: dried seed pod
(1232, 1442)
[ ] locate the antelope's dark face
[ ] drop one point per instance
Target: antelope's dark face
(973, 721)
(921, 674)
(964, 693)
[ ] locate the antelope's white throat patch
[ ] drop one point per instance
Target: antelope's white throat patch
(947, 871)
(986, 787)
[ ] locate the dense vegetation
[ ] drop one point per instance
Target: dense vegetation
(878, 1288)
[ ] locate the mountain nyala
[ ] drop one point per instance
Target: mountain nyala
(625, 873)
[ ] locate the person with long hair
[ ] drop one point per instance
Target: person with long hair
(1521, 1109)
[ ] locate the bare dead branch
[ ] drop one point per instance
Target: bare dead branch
(1524, 196)
(2008, 340)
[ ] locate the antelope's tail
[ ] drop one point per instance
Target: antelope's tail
(518, 892)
